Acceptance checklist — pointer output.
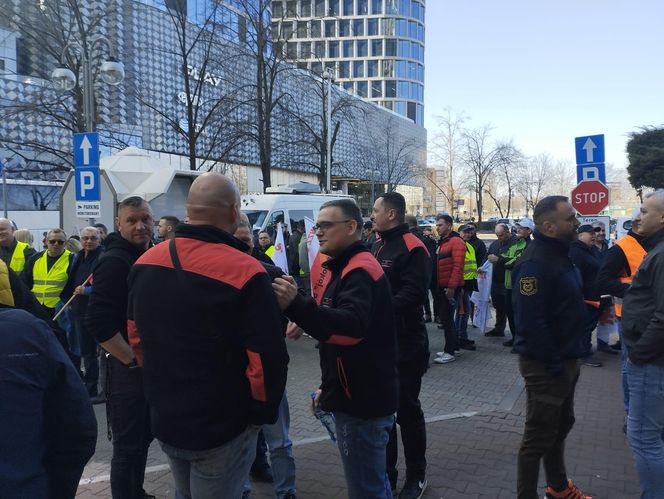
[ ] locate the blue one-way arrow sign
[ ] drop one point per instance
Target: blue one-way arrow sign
(589, 149)
(86, 149)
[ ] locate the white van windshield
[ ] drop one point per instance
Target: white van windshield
(256, 217)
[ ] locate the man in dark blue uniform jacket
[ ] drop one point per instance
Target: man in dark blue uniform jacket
(549, 313)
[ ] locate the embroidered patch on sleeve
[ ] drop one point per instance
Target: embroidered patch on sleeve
(528, 286)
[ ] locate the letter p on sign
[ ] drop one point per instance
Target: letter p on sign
(87, 183)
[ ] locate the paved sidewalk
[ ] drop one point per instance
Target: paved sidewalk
(474, 408)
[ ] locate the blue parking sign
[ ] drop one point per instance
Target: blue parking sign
(87, 184)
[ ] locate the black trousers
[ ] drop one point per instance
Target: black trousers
(509, 312)
(549, 418)
(129, 418)
(410, 419)
(447, 310)
(592, 318)
(498, 301)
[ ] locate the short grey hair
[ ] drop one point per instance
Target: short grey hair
(90, 229)
(657, 194)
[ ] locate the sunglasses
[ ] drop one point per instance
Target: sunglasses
(598, 229)
(56, 241)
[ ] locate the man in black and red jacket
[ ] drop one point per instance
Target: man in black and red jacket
(351, 316)
(214, 373)
(407, 265)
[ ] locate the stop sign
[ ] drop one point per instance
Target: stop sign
(590, 197)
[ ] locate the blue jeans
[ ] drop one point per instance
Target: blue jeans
(217, 473)
(461, 320)
(362, 444)
(645, 421)
(281, 453)
(623, 369)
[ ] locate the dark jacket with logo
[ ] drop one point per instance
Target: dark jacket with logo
(407, 265)
(355, 326)
(48, 430)
(587, 261)
(211, 364)
(549, 311)
(643, 306)
(107, 308)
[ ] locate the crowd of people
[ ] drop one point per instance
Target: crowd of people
(164, 332)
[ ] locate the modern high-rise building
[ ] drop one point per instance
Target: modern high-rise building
(375, 48)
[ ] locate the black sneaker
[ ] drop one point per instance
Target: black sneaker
(616, 346)
(467, 345)
(413, 489)
(508, 343)
(495, 333)
(607, 349)
(591, 361)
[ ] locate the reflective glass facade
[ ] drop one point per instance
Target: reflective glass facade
(374, 47)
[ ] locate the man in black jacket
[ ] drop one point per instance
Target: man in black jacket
(351, 315)
(584, 257)
(431, 246)
(407, 265)
(643, 332)
(549, 313)
(212, 375)
(106, 320)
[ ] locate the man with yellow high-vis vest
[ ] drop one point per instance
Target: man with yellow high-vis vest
(46, 273)
(14, 253)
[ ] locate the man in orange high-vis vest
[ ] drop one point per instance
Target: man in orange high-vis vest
(614, 278)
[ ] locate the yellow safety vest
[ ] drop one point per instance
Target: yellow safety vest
(18, 257)
(470, 264)
(6, 295)
(270, 251)
(48, 284)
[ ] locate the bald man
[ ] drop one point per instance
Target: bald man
(212, 372)
(14, 253)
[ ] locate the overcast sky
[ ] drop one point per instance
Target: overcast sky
(544, 72)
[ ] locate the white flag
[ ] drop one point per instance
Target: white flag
(481, 298)
(312, 241)
(279, 255)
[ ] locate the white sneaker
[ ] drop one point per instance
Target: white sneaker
(444, 359)
(440, 354)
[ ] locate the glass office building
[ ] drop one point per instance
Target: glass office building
(375, 48)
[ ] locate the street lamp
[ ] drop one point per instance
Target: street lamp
(372, 173)
(111, 71)
(327, 76)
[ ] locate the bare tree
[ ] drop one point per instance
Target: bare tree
(207, 69)
(536, 174)
(394, 156)
(48, 26)
(504, 180)
(269, 64)
(483, 157)
(446, 150)
(310, 127)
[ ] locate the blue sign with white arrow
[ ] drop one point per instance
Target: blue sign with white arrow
(86, 149)
(589, 149)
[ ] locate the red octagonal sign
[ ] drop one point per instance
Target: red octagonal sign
(590, 197)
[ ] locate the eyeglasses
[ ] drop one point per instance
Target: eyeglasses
(598, 229)
(56, 241)
(328, 225)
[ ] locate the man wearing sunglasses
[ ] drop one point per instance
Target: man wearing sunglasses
(600, 244)
(46, 274)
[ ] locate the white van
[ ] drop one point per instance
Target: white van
(265, 211)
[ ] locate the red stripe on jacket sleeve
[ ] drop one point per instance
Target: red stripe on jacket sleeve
(256, 376)
(343, 341)
(135, 341)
